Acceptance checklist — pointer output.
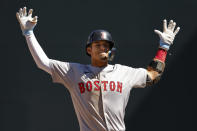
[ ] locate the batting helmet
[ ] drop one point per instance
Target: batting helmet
(97, 35)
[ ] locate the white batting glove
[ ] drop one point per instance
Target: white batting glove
(168, 34)
(26, 21)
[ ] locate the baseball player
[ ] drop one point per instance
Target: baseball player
(99, 91)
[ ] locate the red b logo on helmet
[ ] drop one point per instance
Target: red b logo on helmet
(103, 35)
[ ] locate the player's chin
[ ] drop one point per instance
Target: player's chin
(104, 56)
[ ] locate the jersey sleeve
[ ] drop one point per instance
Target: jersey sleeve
(139, 76)
(61, 72)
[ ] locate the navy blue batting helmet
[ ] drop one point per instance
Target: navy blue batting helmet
(97, 35)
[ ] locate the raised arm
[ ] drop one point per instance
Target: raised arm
(157, 65)
(27, 24)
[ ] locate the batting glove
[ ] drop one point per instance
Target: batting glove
(26, 21)
(168, 34)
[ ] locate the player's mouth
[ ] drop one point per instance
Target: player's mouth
(103, 55)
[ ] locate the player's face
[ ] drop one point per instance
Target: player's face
(99, 51)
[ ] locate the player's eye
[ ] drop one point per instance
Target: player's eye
(106, 46)
(97, 45)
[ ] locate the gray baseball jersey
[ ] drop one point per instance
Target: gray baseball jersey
(99, 95)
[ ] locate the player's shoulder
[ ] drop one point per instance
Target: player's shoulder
(122, 66)
(125, 67)
(61, 63)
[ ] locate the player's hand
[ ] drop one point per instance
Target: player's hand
(168, 34)
(26, 21)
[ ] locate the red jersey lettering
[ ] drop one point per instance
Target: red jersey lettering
(119, 87)
(112, 85)
(105, 82)
(89, 86)
(97, 88)
(81, 87)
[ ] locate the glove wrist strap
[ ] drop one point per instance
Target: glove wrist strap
(164, 46)
(27, 32)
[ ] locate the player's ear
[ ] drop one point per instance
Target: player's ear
(89, 50)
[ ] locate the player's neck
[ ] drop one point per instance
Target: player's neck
(99, 63)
